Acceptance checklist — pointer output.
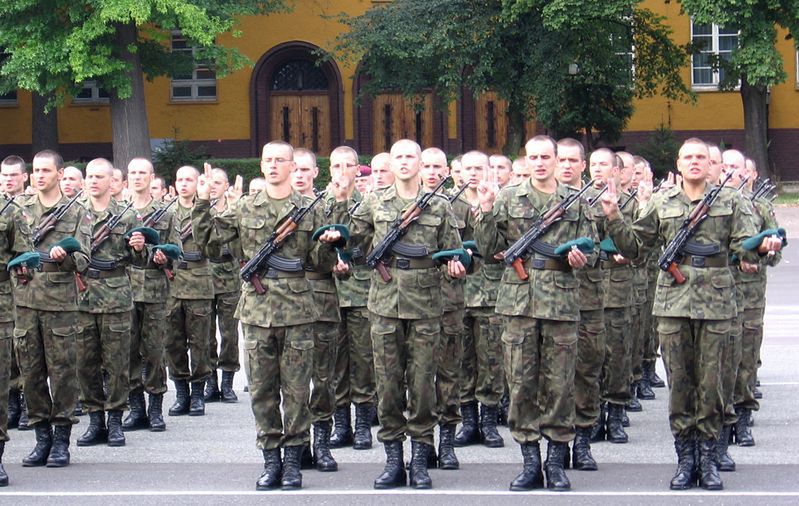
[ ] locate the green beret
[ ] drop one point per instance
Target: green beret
(453, 254)
(753, 242)
(472, 245)
(70, 244)
(584, 244)
(29, 260)
(342, 229)
(170, 250)
(151, 236)
(608, 246)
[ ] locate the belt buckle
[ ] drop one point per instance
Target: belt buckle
(603, 255)
(403, 263)
(183, 265)
(538, 263)
(697, 261)
(93, 273)
(270, 274)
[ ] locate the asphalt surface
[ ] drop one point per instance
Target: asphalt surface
(211, 459)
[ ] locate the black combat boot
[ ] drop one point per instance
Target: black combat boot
(270, 478)
(531, 476)
(323, 459)
(3, 474)
(211, 393)
(743, 433)
(78, 411)
(59, 452)
(582, 460)
(197, 406)
(393, 474)
(155, 413)
(725, 462)
(419, 477)
(44, 441)
(96, 433)
(488, 427)
(615, 430)
(227, 394)
(137, 418)
(342, 428)
(14, 409)
(362, 439)
(292, 478)
(469, 433)
(643, 391)
(504, 408)
(685, 476)
(757, 393)
(446, 448)
(306, 457)
(598, 429)
(709, 478)
(181, 405)
(625, 420)
(115, 435)
(634, 405)
(553, 467)
(654, 380)
(23, 414)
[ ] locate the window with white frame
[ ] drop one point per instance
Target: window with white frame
(91, 93)
(715, 43)
(200, 84)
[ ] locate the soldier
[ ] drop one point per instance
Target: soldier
(541, 314)
(502, 169)
(278, 324)
(455, 171)
(189, 307)
(47, 313)
(158, 189)
(693, 317)
(150, 288)
(521, 172)
(381, 171)
(227, 285)
(363, 181)
(405, 325)
(119, 185)
(257, 184)
(106, 305)
(71, 182)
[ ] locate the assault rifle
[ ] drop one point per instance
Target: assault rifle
(9, 201)
(50, 221)
(380, 253)
(154, 217)
(760, 189)
(105, 231)
(515, 255)
(632, 196)
(592, 201)
(679, 245)
(454, 196)
(266, 257)
(743, 183)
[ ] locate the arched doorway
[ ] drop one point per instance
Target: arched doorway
(296, 100)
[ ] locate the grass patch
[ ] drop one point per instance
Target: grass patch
(787, 199)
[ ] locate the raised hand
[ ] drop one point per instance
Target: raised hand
(204, 182)
(340, 187)
(234, 192)
(610, 201)
(486, 194)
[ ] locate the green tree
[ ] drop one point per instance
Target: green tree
(523, 50)
(55, 45)
(660, 150)
(755, 63)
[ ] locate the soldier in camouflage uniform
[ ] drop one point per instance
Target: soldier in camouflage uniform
(189, 307)
(693, 317)
(541, 313)
(150, 288)
(278, 324)
(47, 312)
(227, 289)
(105, 309)
(406, 312)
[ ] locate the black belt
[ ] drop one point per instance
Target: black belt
(612, 264)
(191, 264)
(549, 264)
(192, 256)
(697, 261)
(49, 267)
(318, 276)
(407, 264)
(276, 274)
(103, 274)
(220, 260)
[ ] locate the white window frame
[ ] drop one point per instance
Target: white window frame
(714, 49)
(95, 97)
(194, 83)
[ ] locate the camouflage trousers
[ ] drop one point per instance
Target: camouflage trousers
(637, 331)
(280, 362)
(692, 354)
(405, 351)
(222, 309)
(46, 343)
(449, 353)
(6, 335)
(540, 357)
(323, 393)
(147, 336)
(14, 378)
(588, 369)
(104, 345)
(189, 326)
(751, 338)
(730, 359)
(481, 366)
(650, 327)
(618, 356)
(355, 374)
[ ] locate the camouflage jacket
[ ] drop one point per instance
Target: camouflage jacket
(480, 287)
(591, 277)
(708, 291)
(225, 269)
(546, 294)
(353, 290)
(244, 228)
(14, 239)
(56, 291)
(411, 293)
(150, 283)
(752, 286)
(619, 278)
(113, 294)
(193, 280)
(451, 288)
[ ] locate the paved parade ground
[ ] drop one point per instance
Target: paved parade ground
(213, 459)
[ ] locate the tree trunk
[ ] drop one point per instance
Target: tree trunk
(131, 133)
(515, 137)
(754, 98)
(44, 125)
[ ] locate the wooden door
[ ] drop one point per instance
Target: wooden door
(301, 120)
(396, 117)
(491, 123)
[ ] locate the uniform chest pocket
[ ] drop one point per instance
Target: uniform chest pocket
(251, 229)
(66, 226)
(386, 215)
(429, 220)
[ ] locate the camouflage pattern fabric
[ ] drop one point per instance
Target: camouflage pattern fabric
(588, 368)
(187, 350)
(354, 377)
(6, 335)
(482, 364)
(448, 372)
(104, 345)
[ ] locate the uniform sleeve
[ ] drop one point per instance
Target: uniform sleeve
(769, 221)
(83, 235)
(216, 231)
(636, 240)
(322, 256)
(136, 258)
(587, 228)
(19, 234)
(361, 225)
(743, 227)
(491, 229)
(448, 235)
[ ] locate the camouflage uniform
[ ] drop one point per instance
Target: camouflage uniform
(189, 309)
(278, 325)
(105, 310)
(649, 323)
(541, 314)
(227, 289)
(47, 314)
(638, 321)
